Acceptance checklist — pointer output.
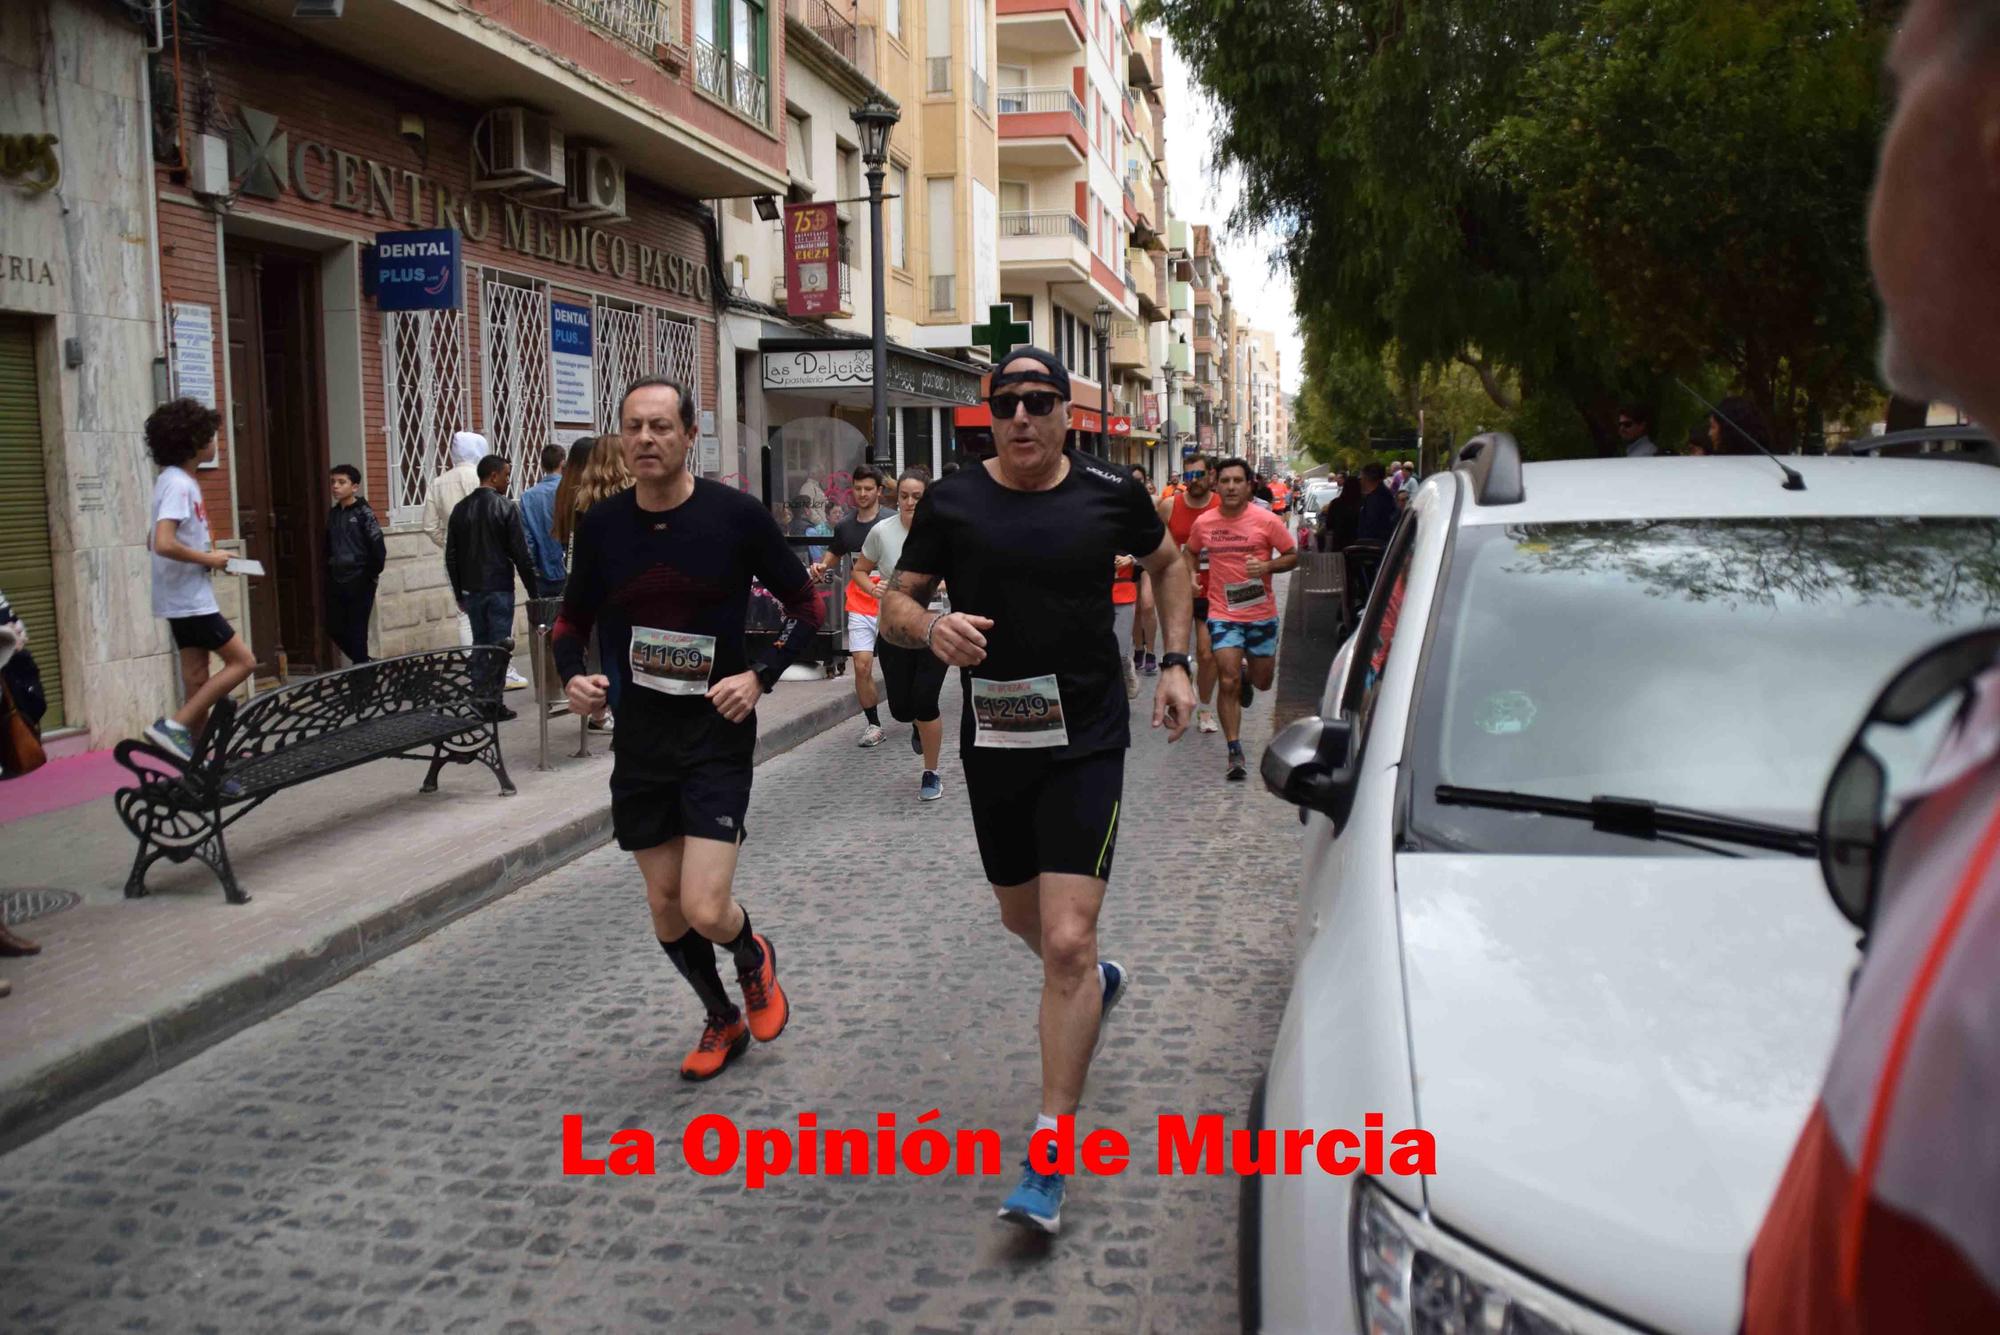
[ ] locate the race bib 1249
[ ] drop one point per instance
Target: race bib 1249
(1025, 713)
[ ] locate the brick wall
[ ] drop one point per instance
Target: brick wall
(348, 107)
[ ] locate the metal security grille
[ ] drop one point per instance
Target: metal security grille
(514, 338)
(427, 396)
(676, 352)
(624, 353)
(27, 566)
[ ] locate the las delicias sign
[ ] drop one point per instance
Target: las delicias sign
(267, 164)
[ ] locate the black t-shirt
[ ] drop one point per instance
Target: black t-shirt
(676, 574)
(1039, 563)
(851, 532)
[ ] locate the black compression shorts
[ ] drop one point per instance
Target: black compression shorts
(1033, 814)
(914, 678)
(679, 771)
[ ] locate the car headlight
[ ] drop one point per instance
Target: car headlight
(1410, 1278)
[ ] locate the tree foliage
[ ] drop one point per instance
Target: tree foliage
(1705, 162)
(1572, 201)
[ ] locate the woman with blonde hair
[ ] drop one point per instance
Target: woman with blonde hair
(602, 475)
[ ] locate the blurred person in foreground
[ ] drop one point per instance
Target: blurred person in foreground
(1888, 1215)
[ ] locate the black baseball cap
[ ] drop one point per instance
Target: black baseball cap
(1053, 372)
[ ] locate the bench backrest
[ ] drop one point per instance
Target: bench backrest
(463, 682)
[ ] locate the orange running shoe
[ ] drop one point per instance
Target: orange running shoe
(720, 1044)
(763, 999)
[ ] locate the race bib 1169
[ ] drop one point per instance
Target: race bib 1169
(671, 661)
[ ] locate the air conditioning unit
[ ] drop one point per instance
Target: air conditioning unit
(596, 184)
(517, 147)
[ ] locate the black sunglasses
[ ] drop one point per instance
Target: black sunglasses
(1853, 825)
(1040, 403)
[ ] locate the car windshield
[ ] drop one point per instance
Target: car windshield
(1713, 664)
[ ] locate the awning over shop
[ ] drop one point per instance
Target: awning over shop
(1080, 419)
(843, 369)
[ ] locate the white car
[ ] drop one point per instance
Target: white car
(1561, 907)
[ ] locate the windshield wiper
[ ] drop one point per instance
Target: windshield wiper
(1639, 818)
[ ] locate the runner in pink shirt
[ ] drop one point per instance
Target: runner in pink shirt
(1245, 545)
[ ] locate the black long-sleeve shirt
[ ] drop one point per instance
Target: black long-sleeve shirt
(680, 572)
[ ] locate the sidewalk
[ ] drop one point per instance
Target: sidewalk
(341, 872)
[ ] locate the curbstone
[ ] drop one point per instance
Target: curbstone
(36, 1097)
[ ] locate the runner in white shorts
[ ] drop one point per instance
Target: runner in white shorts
(862, 606)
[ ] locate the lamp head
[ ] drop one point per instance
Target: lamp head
(874, 118)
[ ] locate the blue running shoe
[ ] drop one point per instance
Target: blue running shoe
(932, 787)
(1037, 1203)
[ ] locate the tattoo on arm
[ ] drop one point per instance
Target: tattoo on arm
(905, 607)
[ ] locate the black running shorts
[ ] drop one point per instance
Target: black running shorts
(1033, 814)
(707, 801)
(209, 631)
(914, 677)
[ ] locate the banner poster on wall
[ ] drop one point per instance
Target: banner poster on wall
(569, 338)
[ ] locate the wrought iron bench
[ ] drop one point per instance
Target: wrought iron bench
(442, 707)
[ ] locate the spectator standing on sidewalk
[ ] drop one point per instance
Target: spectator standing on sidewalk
(538, 518)
(355, 556)
(13, 639)
(1885, 1219)
(485, 546)
(1635, 430)
(1375, 520)
(178, 434)
(603, 476)
(447, 490)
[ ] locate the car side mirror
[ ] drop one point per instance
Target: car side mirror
(1311, 764)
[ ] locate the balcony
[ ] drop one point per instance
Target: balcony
(1039, 27)
(739, 86)
(1042, 127)
(1181, 357)
(1177, 236)
(1051, 245)
(827, 24)
(981, 93)
(1180, 298)
(1139, 66)
(1128, 344)
(641, 24)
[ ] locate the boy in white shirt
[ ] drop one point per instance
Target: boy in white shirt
(179, 434)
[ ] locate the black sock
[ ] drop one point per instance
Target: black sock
(874, 719)
(694, 956)
(1236, 748)
(749, 955)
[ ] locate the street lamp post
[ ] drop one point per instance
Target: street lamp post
(874, 119)
(1101, 317)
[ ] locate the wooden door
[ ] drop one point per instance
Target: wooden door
(248, 434)
(294, 455)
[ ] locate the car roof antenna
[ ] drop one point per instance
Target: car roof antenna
(1793, 482)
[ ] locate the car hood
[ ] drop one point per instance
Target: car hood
(1614, 1056)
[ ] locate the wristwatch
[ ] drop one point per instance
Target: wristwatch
(767, 676)
(1176, 660)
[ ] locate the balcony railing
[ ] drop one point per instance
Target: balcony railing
(1050, 222)
(826, 23)
(944, 292)
(747, 91)
(939, 74)
(1028, 101)
(639, 23)
(980, 92)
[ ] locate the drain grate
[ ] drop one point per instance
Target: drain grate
(21, 905)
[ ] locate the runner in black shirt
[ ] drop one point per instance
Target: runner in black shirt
(1027, 540)
(665, 568)
(862, 607)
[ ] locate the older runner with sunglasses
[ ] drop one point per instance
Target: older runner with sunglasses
(1027, 540)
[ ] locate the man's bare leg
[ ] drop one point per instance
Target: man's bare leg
(1229, 671)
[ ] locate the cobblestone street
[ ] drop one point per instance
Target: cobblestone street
(386, 1154)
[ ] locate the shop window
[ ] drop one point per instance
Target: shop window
(623, 347)
(514, 342)
(426, 398)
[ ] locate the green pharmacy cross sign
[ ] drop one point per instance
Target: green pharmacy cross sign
(1001, 333)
